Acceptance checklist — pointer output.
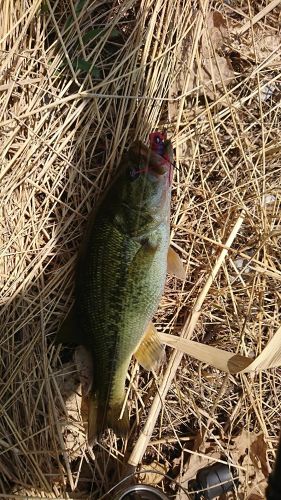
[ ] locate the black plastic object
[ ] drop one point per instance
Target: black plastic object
(212, 482)
(141, 492)
(273, 491)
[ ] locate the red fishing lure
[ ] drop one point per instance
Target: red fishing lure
(157, 144)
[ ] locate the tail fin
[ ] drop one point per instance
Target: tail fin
(101, 417)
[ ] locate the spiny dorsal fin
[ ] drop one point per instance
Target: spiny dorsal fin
(175, 264)
(150, 352)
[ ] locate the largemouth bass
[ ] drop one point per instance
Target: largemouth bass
(120, 279)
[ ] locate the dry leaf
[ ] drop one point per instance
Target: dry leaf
(249, 450)
(261, 48)
(216, 68)
(206, 74)
(264, 46)
(258, 453)
(71, 426)
(153, 473)
(253, 446)
(257, 486)
(209, 70)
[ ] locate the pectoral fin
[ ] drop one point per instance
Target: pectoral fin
(150, 352)
(175, 264)
(67, 333)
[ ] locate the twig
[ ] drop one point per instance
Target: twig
(268, 8)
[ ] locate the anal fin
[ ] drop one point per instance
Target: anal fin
(150, 352)
(175, 264)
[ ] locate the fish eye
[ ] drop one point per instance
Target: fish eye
(133, 173)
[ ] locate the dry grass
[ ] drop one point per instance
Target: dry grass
(80, 81)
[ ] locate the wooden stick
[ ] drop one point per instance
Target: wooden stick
(145, 435)
(268, 8)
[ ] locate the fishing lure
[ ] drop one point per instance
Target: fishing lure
(157, 142)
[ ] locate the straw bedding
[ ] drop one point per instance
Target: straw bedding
(79, 82)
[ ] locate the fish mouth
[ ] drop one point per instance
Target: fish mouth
(156, 164)
(160, 169)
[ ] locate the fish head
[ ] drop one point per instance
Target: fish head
(144, 186)
(147, 176)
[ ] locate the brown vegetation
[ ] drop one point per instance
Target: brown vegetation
(79, 82)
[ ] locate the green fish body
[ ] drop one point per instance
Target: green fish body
(120, 278)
